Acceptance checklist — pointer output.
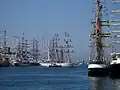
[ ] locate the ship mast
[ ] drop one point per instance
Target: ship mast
(99, 59)
(33, 49)
(4, 41)
(54, 48)
(48, 51)
(24, 51)
(67, 47)
(99, 43)
(98, 35)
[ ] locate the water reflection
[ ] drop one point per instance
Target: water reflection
(103, 83)
(98, 83)
(116, 84)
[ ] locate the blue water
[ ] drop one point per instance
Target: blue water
(37, 78)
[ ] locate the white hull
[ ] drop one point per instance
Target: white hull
(96, 66)
(45, 64)
(63, 64)
(59, 64)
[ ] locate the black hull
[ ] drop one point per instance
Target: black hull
(34, 64)
(21, 64)
(114, 71)
(4, 64)
(55, 66)
(98, 72)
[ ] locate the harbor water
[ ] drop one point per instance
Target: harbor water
(38, 78)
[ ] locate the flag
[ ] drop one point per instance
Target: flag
(97, 28)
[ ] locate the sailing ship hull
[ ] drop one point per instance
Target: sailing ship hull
(45, 64)
(63, 64)
(98, 70)
(54, 65)
(59, 65)
(34, 64)
(50, 65)
(21, 64)
(76, 64)
(4, 64)
(115, 70)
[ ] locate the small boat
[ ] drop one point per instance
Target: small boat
(115, 65)
(115, 55)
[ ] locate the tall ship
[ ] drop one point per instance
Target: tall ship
(34, 57)
(4, 50)
(59, 55)
(115, 55)
(21, 55)
(25, 53)
(97, 64)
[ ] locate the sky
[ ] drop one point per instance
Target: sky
(43, 18)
